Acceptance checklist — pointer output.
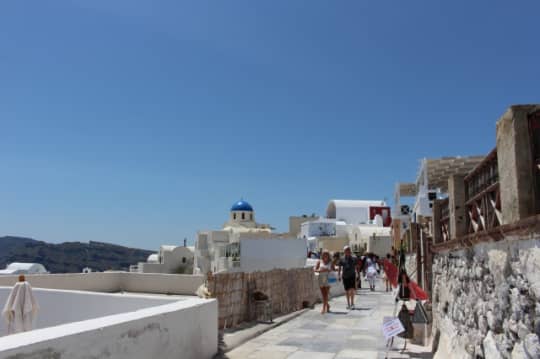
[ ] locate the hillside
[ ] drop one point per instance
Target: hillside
(69, 257)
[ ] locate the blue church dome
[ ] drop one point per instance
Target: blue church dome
(242, 206)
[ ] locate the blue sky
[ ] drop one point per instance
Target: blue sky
(140, 122)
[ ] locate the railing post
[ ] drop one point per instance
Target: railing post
(516, 176)
(456, 206)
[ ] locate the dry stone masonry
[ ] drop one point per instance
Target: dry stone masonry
(486, 300)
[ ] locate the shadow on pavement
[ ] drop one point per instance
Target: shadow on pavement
(414, 355)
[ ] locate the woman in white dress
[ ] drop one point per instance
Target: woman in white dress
(371, 272)
(324, 266)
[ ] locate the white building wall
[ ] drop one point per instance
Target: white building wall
(352, 212)
(268, 254)
(152, 268)
(186, 329)
(60, 306)
(343, 229)
(207, 250)
(114, 282)
(318, 228)
(183, 284)
(175, 261)
(353, 215)
(381, 246)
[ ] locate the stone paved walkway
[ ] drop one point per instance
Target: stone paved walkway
(341, 334)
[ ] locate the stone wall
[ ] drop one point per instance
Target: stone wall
(289, 290)
(486, 300)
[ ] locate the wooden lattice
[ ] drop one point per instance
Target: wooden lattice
(483, 196)
(288, 290)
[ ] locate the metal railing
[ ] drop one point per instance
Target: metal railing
(482, 195)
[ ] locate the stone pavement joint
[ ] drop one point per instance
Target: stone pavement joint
(341, 334)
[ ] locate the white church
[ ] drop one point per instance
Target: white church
(244, 245)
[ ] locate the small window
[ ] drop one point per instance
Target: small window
(184, 260)
(243, 215)
(234, 215)
(251, 217)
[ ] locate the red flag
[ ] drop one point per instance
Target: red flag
(417, 293)
(391, 272)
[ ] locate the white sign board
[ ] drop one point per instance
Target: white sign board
(391, 327)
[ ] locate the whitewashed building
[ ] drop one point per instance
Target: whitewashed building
(245, 245)
(23, 268)
(363, 225)
(170, 259)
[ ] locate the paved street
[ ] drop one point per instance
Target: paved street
(341, 334)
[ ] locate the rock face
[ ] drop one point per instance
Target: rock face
(486, 299)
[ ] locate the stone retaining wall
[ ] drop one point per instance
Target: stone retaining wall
(486, 300)
(289, 290)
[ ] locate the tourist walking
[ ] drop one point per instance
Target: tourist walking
(335, 259)
(347, 273)
(324, 266)
(371, 271)
(404, 282)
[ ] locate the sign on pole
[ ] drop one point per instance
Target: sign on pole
(391, 327)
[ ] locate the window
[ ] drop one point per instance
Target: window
(243, 215)
(251, 217)
(184, 260)
(234, 215)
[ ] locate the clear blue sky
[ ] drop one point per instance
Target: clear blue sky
(140, 122)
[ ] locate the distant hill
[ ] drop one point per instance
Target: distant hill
(69, 257)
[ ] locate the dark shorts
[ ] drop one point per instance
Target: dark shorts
(349, 283)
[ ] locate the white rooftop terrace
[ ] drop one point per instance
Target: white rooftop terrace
(82, 324)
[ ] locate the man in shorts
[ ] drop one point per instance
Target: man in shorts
(347, 273)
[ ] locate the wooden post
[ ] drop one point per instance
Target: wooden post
(515, 163)
(436, 222)
(456, 206)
